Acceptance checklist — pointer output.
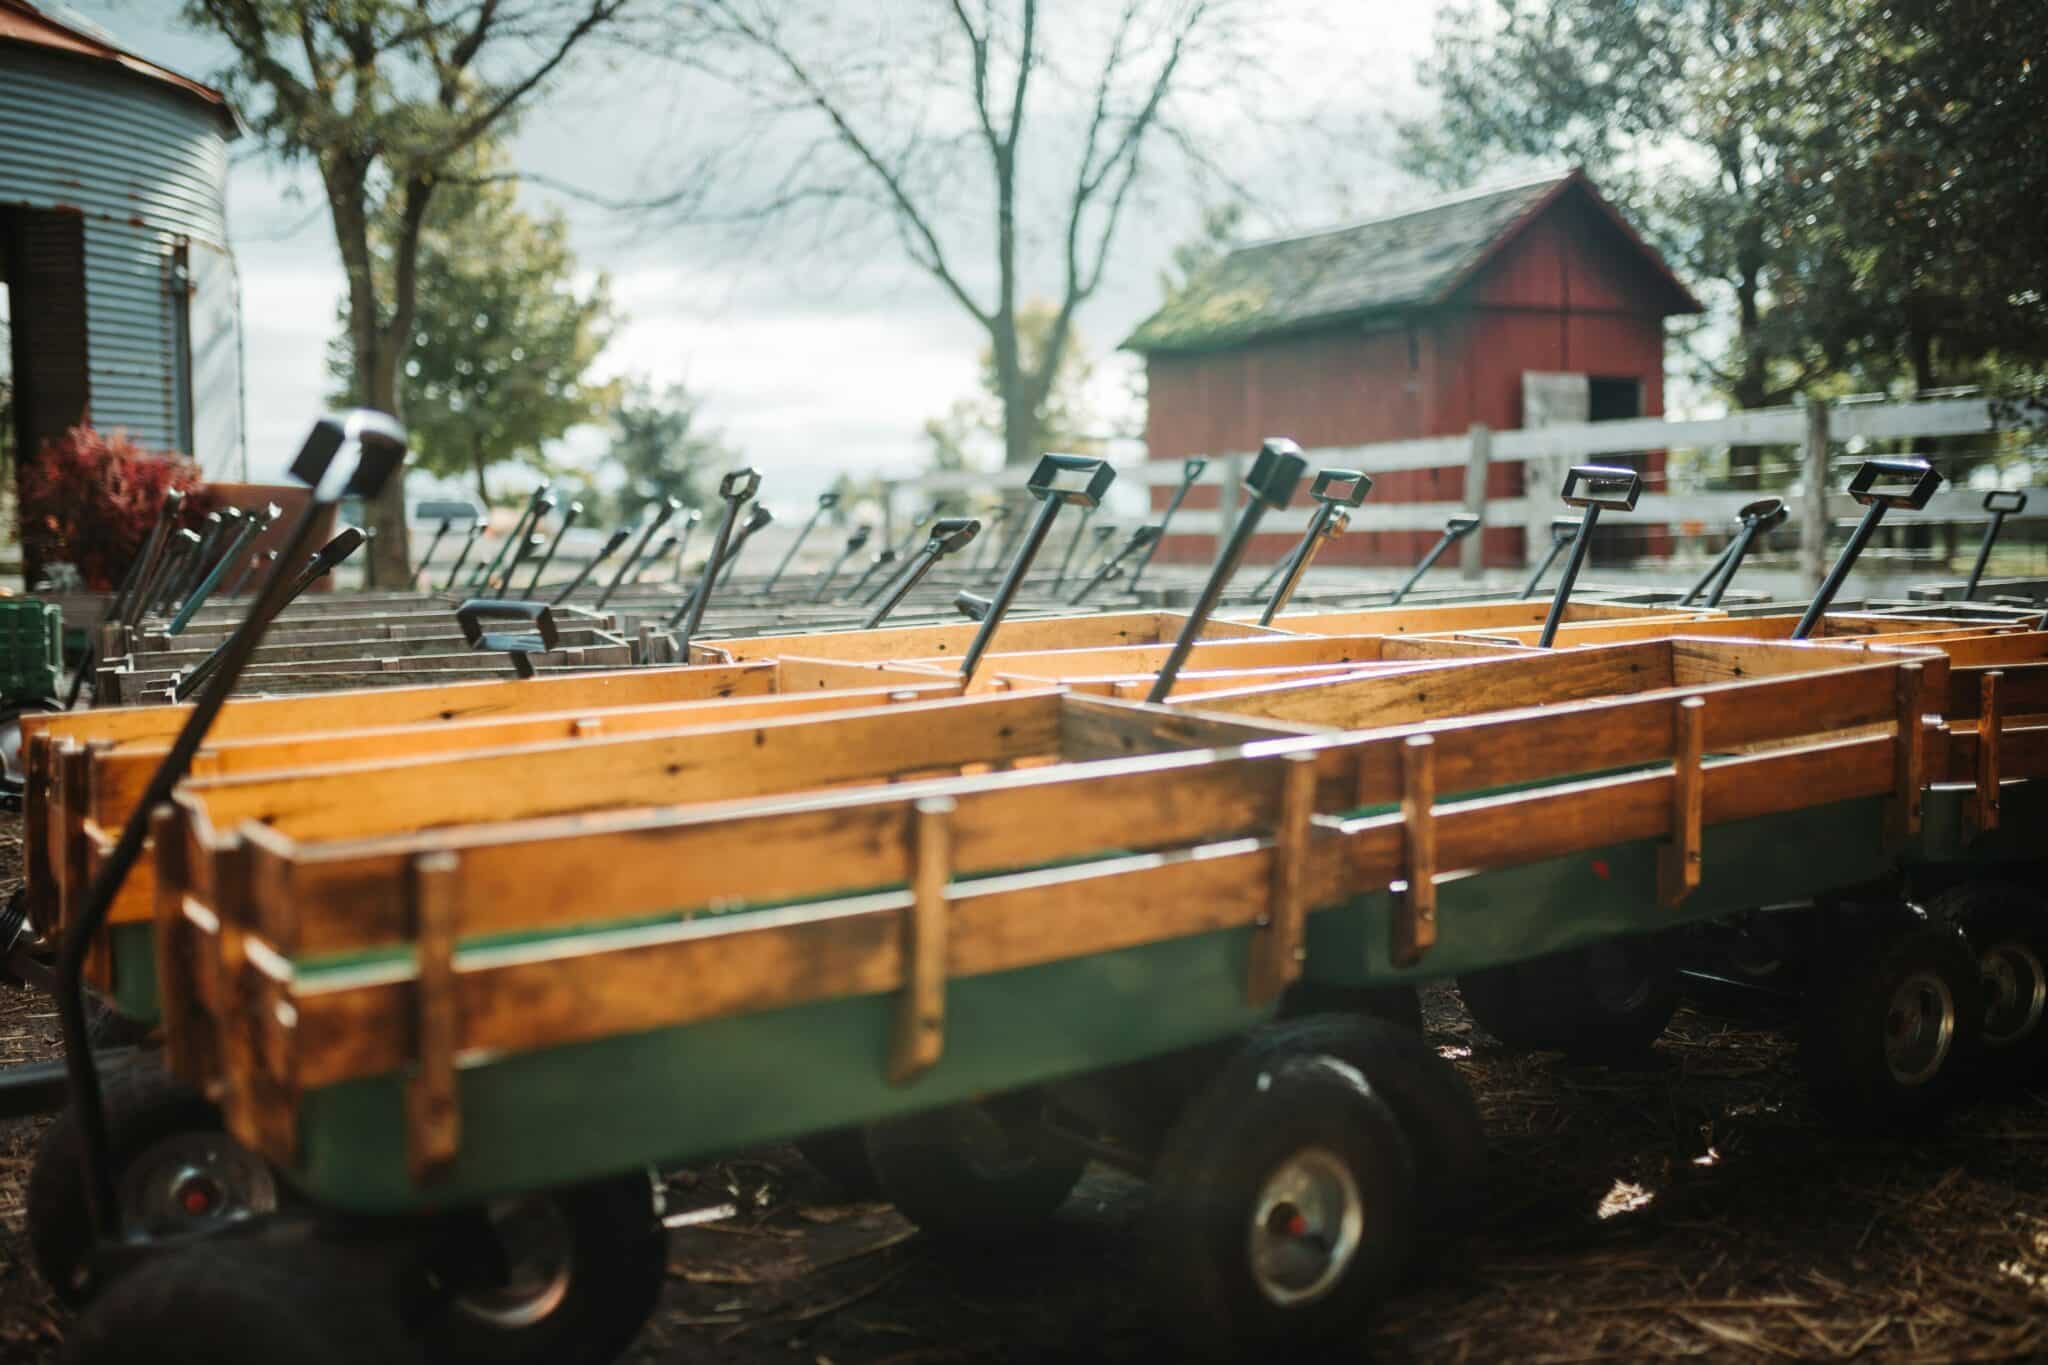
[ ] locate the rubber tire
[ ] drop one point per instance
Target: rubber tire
(1991, 913)
(1265, 1103)
(1400, 1005)
(1841, 1046)
(1550, 1004)
(144, 1104)
(1435, 1108)
(229, 1301)
(924, 1170)
(841, 1156)
(619, 1269)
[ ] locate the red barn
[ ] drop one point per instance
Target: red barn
(1419, 324)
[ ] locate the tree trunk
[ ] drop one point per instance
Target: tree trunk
(390, 564)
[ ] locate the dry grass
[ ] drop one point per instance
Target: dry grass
(1691, 1208)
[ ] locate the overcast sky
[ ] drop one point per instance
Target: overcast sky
(810, 362)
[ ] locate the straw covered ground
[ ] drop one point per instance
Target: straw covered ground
(1689, 1208)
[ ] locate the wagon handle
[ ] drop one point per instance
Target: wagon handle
(1144, 538)
(991, 546)
(195, 565)
(1333, 490)
(1059, 580)
(1564, 530)
(618, 537)
(178, 550)
(663, 510)
(948, 536)
(690, 520)
(474, 615)
(854, 544)
(1190, 470)
(380, 445)
(881, 559)
(2000, 503)
(1057, 481)
(757, 517)
(252, 526)
(1269, 484)
(1460, 525)
(520, 528)
(1753, 520)
(1878, 486)
(827, 500)
(1593, 488)
(569, 516)
(733, 490)
(447, 511)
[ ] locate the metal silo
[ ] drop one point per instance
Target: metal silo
(113, 243)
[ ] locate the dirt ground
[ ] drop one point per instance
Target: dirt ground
(1691, 1207)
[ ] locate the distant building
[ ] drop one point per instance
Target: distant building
(1419, 324)
(122, 293)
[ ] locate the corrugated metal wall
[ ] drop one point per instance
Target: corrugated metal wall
(145, 167)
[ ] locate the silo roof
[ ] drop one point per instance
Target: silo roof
(24, 25)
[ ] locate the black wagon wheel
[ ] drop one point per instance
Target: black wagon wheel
(1606, 1001)
(1435, 1108)
(1284, 1206)
(566, 1277)
(1893, 1023)
(13, 769)
(235, 1301)
(969, 1170)
(2007, 928)
(177, 1171)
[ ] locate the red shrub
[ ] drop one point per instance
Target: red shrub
(90, 499)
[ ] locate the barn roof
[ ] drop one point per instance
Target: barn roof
(1410, 260)
(24, 25)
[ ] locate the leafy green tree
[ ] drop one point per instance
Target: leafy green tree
(659, 443)
(503, 341)
(383, 96)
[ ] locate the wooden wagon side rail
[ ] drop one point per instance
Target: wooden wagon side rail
(950, 641)
(283, 1030)
(1837, 628)
(1473, 616)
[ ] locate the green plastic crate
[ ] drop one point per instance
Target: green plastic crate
(31, 649)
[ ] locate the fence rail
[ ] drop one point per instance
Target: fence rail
(1818, 431)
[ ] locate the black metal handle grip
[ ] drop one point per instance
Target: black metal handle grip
(2008, 500)
(1341, 487)
(1077, 479)
(474, 614)
(1895, 482)
(1462, 524)
(951, 533)
(1276, 472)
(380, 443)
(739, 485)
(1564, 530)
(1767, 513)
(1191, 468)
(1613, 488)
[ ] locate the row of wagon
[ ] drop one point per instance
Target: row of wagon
(434, 975)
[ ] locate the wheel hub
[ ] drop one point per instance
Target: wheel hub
(1306, 1227)
(539, 1247)
(189, 1181)
(1919, 1028)
(2015, 993)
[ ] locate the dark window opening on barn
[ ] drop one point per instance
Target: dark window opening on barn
(1613, 400)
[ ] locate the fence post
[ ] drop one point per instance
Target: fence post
(1813, 507)
(1472, 554)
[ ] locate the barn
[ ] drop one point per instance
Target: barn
(120, 293)
(1417, 324)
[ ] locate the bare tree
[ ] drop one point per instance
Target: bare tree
(1005, 142)
(384, 96)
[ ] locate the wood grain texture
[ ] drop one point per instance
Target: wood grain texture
(1678, 869)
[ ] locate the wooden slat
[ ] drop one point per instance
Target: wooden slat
(921, 1008)
(1276, 957)
(1414, 923)
(698, 764)
(1678, 869)
(1094, 728)
(433, 1117)
(1909, 772)
(2022, 692)
(1990, 715)
(951, 640)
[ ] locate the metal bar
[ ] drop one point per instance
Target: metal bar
(1581, 543)
(1832, 584)
(1189, 472)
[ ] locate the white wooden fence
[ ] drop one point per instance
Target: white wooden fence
(1816, 431)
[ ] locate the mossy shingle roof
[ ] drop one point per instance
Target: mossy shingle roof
(1406, 261)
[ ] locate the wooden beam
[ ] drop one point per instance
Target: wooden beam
(1277, 954)
(1678, 865)
(1990, 718)
(1414, 926)
(1909, 753)
(921, 1007)
(433, 1114)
